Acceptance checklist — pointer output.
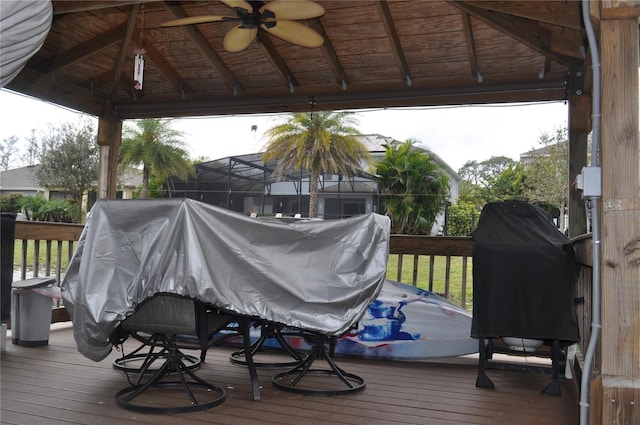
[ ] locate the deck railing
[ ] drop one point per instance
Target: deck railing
(439, 264)
(45, 250)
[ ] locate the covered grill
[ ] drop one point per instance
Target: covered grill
(524, 277)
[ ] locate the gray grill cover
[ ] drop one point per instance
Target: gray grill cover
(315, 275)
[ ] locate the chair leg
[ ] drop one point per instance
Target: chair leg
(128, 397)
(269, 330)
(245, 325)
(289, 380)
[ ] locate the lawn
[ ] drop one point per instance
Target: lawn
(439, 275)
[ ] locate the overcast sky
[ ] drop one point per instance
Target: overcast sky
(456, 134)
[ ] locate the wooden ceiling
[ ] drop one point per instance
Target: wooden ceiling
(375, 54)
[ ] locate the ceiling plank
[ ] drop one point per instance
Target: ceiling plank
(523, 30)
(396, 46)
(165, 68)
(86, 49)
(277, 61)
(205, 48)
(471, 45)
(330, 54)
(561, 13)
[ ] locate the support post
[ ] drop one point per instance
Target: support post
(620, 159)
(580, 110)
(109, 139)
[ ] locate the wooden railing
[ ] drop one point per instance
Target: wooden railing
(425, 261)
(441, 264)
(46, 249)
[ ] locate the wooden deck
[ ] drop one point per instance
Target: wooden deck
(55, 384)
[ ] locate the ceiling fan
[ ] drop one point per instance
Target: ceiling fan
(277, 17)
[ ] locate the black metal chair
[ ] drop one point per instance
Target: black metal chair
(321, 381)
(269, 330)
(163, 321)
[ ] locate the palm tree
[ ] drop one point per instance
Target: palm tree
(158, 147)
(415, 185)
(316, 142)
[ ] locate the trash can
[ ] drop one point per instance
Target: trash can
(31, 312)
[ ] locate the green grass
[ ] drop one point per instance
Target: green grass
(17, 256)
(439, 275)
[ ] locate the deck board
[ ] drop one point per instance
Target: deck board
(56, 385)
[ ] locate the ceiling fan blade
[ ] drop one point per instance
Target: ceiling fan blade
(238, 39)
(198, 20)
(242, 4)
(294, 9)
(296, 33)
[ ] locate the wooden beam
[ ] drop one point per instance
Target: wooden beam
(289, 80)
(205, 48)
(620, 158)
(376, 97)
(579, 129)
(56, 90)
(562, 13)
(471, 44)
(86, 49)
(392, 34)
(523, 30)
(124, 49)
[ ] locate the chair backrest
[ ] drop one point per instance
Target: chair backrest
(164, 313)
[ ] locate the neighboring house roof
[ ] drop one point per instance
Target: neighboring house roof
(23, 179)
(20, 180)
(374, 143)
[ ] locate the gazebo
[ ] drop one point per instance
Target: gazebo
(380, 54)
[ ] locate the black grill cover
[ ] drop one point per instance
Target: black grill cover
(524, 275)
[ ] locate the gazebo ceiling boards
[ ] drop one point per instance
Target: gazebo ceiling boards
(375, 54)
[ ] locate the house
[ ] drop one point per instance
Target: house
(23, 181)
(245, 183)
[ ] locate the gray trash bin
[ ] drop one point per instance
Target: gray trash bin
(31, 312)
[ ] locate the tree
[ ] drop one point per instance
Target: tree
(32, 152)
(462, 219)
(316, 142)
(153, 144)
(480, 173)
(416, 188)
(69, 160)
(510, 184)
(547, 173)
(7, 151)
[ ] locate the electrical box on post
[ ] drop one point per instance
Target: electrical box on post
(591, 182)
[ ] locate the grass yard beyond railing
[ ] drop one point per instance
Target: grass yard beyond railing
(440, 264)
(436, 263)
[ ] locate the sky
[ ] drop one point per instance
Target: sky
(456, 134)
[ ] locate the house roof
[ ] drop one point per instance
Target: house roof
(20, 179)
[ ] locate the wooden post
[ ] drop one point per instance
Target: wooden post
(620, 159)
(579, 128)
(109, 138)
